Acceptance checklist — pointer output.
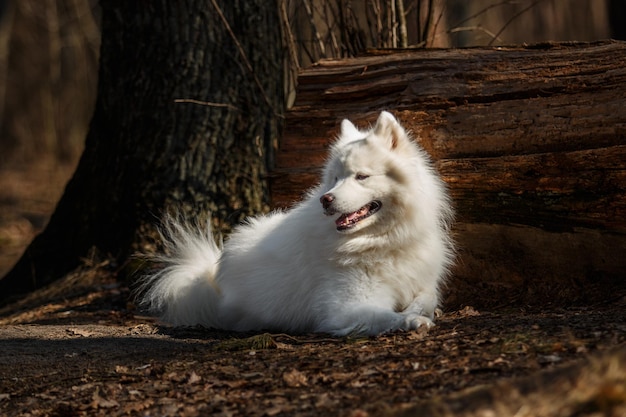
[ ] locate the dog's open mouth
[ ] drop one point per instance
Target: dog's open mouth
(349, 220)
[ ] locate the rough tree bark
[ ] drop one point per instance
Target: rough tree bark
(150, 147)
(531, 141)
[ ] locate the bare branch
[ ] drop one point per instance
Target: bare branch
(429, 18)
(288, 35)
(318, 38)
(392, 24)
(404, 38)
(441, 14)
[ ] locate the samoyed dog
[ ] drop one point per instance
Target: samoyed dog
(365, 252)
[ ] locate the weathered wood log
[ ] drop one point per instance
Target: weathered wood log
(531, 141)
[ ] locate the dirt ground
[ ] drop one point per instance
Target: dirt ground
(81, 348)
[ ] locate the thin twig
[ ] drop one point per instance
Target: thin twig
(244, 57)
(479, 28)
(515, 16)
(331, 29)
(293, 64)
(299, 341)
(205, 103)
(483, 11)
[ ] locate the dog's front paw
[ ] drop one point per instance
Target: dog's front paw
(414, 321)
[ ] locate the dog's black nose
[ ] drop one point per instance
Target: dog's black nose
(327, 200)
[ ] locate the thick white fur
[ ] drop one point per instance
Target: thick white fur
(293, 271)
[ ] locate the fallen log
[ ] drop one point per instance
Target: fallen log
(530, 140)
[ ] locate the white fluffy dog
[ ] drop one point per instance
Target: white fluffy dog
(365, 253)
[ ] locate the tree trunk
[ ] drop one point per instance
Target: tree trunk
(531, 141)
(152, 146)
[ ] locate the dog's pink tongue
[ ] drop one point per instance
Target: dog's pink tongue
(345, 219)
(348, 218)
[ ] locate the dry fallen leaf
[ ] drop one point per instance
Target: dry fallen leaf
(75, 331)
(295, 378)
(194, 378)
(99, 402)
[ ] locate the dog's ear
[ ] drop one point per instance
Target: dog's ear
(348, 129)
(388, 129)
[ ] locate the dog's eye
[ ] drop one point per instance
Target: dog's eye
(361, 177)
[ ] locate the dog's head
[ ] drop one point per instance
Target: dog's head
(366, 175)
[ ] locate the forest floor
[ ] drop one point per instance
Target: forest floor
(81, 348)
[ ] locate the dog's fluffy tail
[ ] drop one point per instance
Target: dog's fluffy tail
(183, 291)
